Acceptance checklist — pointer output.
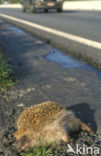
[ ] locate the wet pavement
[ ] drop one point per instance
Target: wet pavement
(44, 73)
(66, 61)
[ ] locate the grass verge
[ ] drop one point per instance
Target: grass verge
(39, 151)
(6, 78)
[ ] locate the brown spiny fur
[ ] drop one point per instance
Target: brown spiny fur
(47, 122)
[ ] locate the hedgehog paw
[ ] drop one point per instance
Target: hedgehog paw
(24, 147)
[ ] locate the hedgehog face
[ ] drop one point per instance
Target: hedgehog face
(22, 144)
(25, 143)
(17, 135)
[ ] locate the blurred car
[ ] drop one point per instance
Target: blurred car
(34, 5)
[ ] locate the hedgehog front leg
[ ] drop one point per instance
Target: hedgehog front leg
(25, 146)
(25, 142)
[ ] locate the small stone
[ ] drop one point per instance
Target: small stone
(83, 84)
(48, 86)
(20, 105)
(28, 90)
(99, 137)
(70, 79)
(33, 89)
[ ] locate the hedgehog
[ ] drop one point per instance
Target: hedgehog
(45, 123)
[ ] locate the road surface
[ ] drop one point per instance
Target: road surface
(74, 32)
(44, 73)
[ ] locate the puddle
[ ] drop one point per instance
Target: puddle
(66, 61)
(16, 30)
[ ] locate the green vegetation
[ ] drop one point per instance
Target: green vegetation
(6, 80)
(39, 151)
(14, 1)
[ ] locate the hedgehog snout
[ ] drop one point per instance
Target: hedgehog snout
(17, 135)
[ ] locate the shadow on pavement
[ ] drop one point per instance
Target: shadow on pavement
(85, 114)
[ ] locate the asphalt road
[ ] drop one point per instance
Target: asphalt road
(81, 24)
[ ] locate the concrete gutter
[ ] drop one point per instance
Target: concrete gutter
(70, 5)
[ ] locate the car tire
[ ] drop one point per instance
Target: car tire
(23, 10)
(59, 10)
(46, 10)
(34, 10)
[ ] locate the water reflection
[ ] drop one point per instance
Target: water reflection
(17, 30)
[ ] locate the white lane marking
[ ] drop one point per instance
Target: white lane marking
(78, 39)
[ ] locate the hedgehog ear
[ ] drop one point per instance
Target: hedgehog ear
(21, 142)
